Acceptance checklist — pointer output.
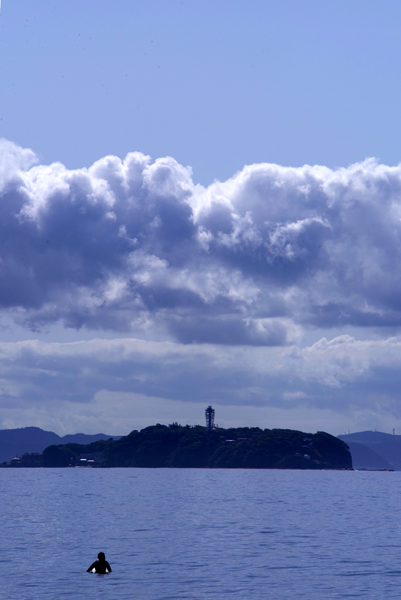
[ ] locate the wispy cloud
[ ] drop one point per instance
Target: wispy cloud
(343, 375)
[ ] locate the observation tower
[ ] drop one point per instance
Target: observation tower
(209, 413)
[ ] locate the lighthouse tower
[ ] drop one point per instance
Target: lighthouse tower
(209, 413)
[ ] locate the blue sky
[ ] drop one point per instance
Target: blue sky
(216, 85)
(200, 203)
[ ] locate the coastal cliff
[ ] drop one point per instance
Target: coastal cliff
(196, 447)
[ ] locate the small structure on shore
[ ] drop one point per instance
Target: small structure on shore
(209, 413)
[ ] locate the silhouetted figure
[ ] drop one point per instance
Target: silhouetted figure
(101, 566)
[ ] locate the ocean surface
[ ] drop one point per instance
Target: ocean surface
(199, 534)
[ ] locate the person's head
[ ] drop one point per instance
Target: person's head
(101, 556)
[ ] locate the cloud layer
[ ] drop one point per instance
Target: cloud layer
(135, 246)
(213, 294)
(358, 379)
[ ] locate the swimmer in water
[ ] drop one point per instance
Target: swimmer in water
(101, 566)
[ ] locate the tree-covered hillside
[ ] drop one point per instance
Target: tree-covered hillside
(195, 447)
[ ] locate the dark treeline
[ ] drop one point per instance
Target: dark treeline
(195, 447)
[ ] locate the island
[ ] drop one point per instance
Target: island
(177, 446)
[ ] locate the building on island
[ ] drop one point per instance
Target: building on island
(209, 413)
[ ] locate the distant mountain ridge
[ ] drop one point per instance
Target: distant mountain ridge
(374, 450)
(15, 442)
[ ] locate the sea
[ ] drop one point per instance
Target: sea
(175, 534)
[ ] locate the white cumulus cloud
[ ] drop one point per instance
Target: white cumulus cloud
(246, 261)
